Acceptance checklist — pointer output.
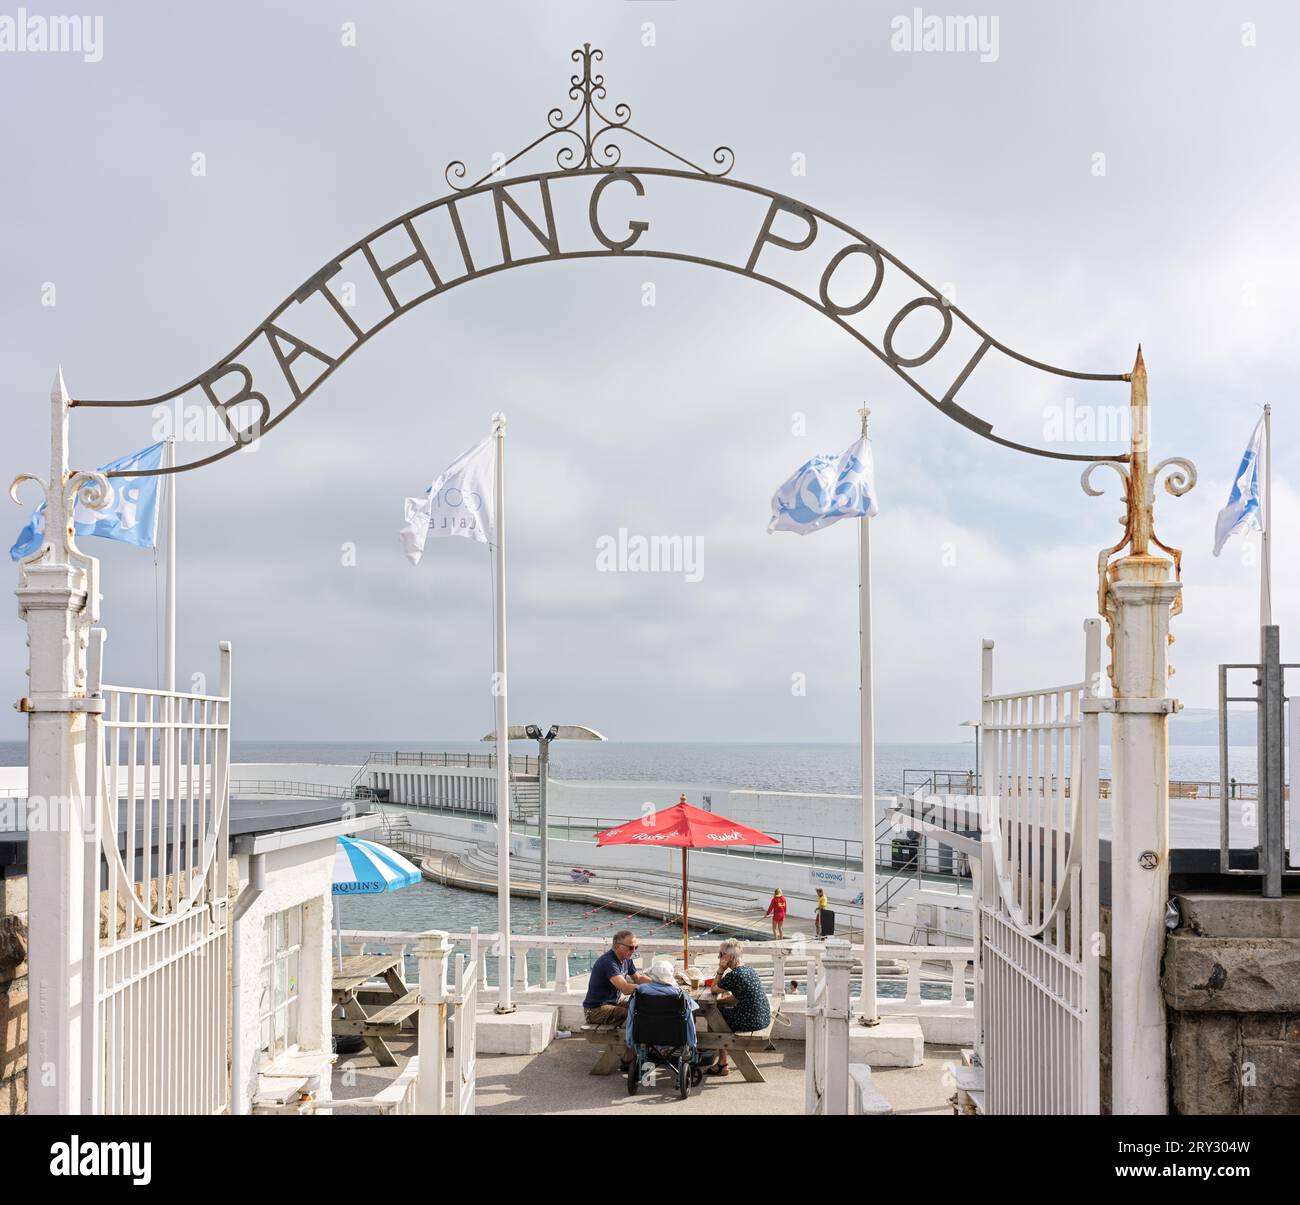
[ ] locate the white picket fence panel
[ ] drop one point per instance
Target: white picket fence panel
(1039, 927)
(157, 941)
(464, 1004)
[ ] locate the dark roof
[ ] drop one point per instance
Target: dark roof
(247, 816)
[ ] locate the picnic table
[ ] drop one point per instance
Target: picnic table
(711, 1033)
(397, 1004)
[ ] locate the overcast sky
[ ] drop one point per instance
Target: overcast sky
(980, 171)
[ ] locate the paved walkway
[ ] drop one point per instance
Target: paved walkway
(557, 1081)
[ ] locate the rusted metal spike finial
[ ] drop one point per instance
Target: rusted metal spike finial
(1139, 494)
(1140, 501)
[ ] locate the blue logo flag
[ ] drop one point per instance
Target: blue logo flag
(130, 516)
(825, 490)
(1242, 512)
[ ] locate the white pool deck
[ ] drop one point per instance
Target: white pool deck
(558, 1081)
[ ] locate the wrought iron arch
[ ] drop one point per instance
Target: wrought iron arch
(587, 149)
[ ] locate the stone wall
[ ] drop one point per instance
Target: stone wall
(1232, 987)
(13, 990)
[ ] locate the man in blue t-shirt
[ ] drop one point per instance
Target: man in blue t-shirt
(612, 978)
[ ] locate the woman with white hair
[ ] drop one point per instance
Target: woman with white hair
(663, 982)
(741, 999)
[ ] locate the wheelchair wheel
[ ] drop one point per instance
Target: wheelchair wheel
(634, 1075)
(697, 1077)
(683, 1079)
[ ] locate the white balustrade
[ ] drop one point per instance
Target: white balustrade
(779, 961)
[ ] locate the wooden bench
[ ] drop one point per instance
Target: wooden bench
(351, 975)
(385, 1022)
(737, 1045)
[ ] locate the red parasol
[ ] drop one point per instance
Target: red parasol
(686, 827)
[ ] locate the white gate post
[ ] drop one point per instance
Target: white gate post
(1141, 595)
(58, 598)
(837, 960)
(1136, 595)
(431, 951)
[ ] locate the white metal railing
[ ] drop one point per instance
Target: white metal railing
(484, 761)
(156, 992)
(1038, 917)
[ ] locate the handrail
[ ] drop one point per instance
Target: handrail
(397, 1097)
(467, 761)
(967, 782)
(304, 790)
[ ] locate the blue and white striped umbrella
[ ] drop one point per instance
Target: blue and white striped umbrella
(367, 868)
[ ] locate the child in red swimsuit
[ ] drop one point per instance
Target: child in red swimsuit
(776, 910)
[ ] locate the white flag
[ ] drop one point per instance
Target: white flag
(461, 502)
(1242, 510)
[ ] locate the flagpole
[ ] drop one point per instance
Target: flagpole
(504, 1004)
(169, 653)
(1266, 526)
(686, 916)
(870, 1009)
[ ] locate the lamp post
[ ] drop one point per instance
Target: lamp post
(563, 732)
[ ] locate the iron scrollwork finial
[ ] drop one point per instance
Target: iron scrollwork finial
(587, 134)
(1139, 496)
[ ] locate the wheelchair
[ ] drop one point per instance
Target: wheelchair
(659, 1040)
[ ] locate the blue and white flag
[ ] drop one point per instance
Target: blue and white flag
(825, 490)
(1242, 512)
(131, 514)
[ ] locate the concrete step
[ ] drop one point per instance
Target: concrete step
(528, 1030)
(895, 1042)
(969, 1097)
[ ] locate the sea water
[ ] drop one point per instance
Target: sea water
(829, 768)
